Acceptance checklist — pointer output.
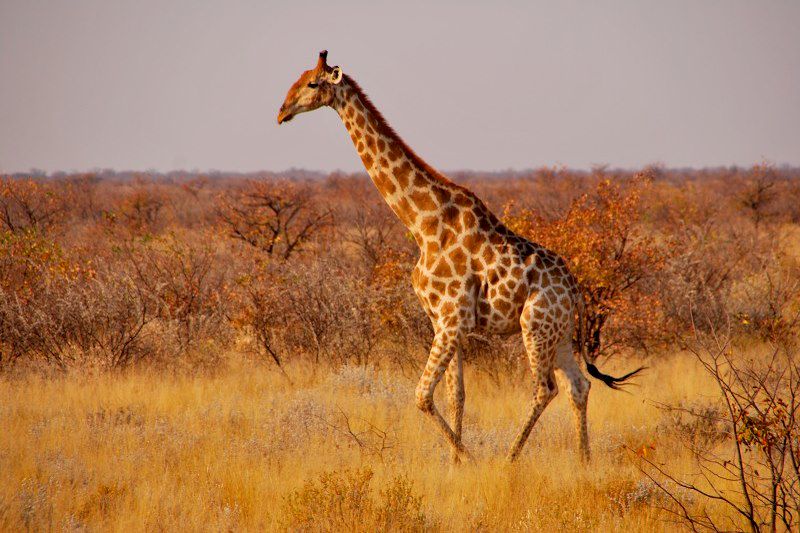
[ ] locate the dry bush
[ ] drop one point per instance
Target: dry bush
(188, 280)
(723, 266)
(86, 202)
(373, 230)
(397, 308)
(700, 273)
(142, 209)
(330, 311)
(194, 206)
(497, 356)
(27, 204)
(155, 299)
(261, 311)
(699, 422)
(278, 218)
(765, 302)
(29, 262)
(754, 469)
(316, 309)
(717, 242)
(97, 322)
(758, 194)
(26, 257)
(550, 191)
(345, 501)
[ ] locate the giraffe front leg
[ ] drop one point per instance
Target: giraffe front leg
(445, 346)
(456, 397)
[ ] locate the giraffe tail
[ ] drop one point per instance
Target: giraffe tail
(610, 381)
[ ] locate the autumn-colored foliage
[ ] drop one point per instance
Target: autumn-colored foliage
(318, 267)
(602, 238)
(26, 204)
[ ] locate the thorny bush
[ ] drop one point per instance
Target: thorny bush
(302, 266)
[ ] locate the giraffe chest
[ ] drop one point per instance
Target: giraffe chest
(445, 288)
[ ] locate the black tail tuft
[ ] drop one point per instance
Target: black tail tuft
(611, 381)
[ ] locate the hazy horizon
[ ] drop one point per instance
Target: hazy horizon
(196, 85)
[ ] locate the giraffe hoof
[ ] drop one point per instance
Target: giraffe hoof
(464, 457)
(512, 456)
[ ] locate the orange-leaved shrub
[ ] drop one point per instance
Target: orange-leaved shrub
(28, 204)
(306, 266)
(602, 239)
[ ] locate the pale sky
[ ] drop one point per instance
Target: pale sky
(195, 84)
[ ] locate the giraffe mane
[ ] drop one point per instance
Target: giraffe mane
(388, 130)
(415, 158)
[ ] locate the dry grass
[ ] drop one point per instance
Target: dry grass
(245, 449)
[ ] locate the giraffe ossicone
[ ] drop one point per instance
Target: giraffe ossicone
(473, 273)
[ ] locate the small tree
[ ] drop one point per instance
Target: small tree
(27, 204)
(278, 218)
(373, 227)
(602, 240)
(754, 473)
(143, 208)
(188, 282)
(759, 194)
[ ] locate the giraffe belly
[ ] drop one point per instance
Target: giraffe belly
(498, 314)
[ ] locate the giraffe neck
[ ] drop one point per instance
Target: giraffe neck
(419, 196)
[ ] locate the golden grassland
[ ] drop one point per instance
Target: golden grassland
(245, 449)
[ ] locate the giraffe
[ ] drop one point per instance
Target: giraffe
(473, 274)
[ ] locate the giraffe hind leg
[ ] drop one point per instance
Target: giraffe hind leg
(577, 386)
(541, 356)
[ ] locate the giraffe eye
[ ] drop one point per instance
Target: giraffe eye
(313, 85)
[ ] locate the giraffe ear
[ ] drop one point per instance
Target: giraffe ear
(336, 75)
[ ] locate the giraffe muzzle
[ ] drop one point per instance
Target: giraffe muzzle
(284, 116)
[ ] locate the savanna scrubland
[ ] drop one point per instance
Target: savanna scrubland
(195, 352)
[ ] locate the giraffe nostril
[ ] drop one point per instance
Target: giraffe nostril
(284, 115)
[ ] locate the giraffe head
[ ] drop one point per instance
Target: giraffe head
(315, 88)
